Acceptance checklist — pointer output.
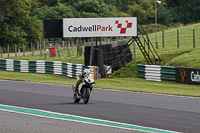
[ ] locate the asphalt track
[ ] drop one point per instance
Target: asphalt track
(181, 114)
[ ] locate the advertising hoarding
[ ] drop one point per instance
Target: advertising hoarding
(188, 75)
(99, 27)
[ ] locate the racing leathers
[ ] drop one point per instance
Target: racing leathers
(79, 80)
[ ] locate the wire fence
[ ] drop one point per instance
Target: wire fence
(43, 49)
(180, 38)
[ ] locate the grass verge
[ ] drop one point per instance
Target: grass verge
(128, 84)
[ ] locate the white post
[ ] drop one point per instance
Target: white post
(156, 1)
(63, 44)
(156, 24)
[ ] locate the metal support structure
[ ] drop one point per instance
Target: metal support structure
(99, 55)
(101, 62)
(96, 41)
(121, 52)
(150, 50)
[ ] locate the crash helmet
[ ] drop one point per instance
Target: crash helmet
(86, 72)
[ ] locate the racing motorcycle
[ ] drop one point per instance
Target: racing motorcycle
(84, 90)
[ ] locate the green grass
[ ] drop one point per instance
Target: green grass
(128, 84)
(141, 85)
(35, 77)
(189, 59)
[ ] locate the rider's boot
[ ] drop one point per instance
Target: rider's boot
(76, 87)
(76, 90)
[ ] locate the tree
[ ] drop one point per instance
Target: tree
(34, 30)
(184, 11)
(165, 16)
(95, 9)
(144, 10)
(1, 11)
(50, 3)
(60, 11)
(16, 20)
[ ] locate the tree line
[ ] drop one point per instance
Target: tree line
(21, 21)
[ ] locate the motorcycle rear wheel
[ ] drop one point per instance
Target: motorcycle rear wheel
(76, 99)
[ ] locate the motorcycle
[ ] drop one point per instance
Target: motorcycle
(84, 90)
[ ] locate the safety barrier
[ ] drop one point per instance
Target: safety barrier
(48, 67)
(156, 73)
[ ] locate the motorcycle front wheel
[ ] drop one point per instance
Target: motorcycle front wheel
(86, 95)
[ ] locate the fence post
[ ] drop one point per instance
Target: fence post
(44, 49)
(177, 38)
(15, 50)
(38, 46)
(48, 48)
(1, 51)
(80, 54)
(40, 49)
(58, 50)
(77, 45)
(81, 48)
(193, 38)
(68, 45)
(23, 50)
(83, 52)
(163, 39)
(72, 44)
(64, 48)
(32, 49)
(8, 51)
(117, 38)
(34, 46)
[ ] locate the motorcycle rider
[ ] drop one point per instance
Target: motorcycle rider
(80, 78)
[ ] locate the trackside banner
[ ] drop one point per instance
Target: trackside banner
(188, 75)
(99, 27)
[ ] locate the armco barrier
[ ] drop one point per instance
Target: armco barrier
(48, 67)
(156, 73)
